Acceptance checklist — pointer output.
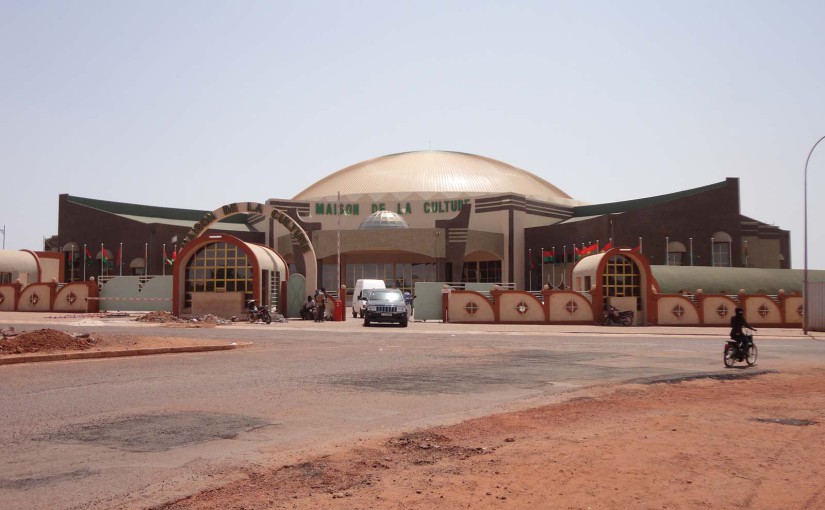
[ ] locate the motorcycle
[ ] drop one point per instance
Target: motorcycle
(613, 316)
(260, 314)
(308, 312)
(734, 353)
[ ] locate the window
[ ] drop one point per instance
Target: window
(676, 253)
(721, 254)
(621, 278)
(721, 251)
(218, 267)
(487, 271)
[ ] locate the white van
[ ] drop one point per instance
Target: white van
(360, 287)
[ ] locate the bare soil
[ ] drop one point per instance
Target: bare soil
(750, 443)
(51, 341)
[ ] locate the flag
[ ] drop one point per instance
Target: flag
(174, 255)
(166, 259)
(590, 249)
(103, 258)
(88, 256)
(549, 256)
(637, 249)
(607, 246)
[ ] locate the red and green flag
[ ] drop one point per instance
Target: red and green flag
(549, 256)
(88, 256)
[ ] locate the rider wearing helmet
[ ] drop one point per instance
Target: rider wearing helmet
(737, 324)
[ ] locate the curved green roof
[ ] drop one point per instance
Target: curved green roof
(729, 280)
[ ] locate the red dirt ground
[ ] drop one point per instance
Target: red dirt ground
(749, 443)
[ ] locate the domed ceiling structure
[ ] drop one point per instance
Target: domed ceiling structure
(433, 174)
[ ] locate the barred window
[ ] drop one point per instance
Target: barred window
(621, 278)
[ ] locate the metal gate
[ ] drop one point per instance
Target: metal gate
(296, 293)
(816, 306)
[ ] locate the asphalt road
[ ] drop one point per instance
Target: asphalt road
(135, 432)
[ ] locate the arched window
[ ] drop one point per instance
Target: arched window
(721, 243)
(621, 278)
(218, 267)
(676, 253)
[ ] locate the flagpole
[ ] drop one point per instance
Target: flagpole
(71, 267)
(102, 256)
(641, 249)
(120, 259)
(564, 269)
(146, 260)
(84, 261)
(530, 264)
(554, 267)
(667, 250)
(541, 258)
(163, 262)
(338, 249)
(712, 262)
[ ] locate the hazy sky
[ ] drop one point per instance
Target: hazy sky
(195, 104)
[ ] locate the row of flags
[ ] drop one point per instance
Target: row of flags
(552, 257)
(88, 258)
(107, 263)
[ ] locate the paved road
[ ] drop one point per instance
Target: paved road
(133, 432)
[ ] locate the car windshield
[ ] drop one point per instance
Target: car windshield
(387, 295)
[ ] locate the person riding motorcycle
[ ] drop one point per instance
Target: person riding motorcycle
(737, 324)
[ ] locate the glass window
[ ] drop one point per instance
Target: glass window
(621, 278)
(218, 267)
(721, 254)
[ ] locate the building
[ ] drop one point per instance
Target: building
(417, 216)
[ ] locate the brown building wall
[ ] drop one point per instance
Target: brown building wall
(81, 224)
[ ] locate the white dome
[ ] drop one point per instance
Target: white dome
(433, 173)
(383, 220)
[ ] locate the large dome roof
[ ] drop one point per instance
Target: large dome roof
(432, 174)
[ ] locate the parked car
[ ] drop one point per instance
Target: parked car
(386, 305)
(358, 294)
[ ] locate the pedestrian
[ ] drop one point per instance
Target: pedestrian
(320, 304)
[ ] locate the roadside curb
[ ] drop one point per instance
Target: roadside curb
(121, 353)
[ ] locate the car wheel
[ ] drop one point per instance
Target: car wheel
(404, 324)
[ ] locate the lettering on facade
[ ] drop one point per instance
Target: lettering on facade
(333, 209)
(444, 206)
(215, 216)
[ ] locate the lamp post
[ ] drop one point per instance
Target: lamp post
(805, 272)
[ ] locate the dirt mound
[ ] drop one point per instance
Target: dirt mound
(44, 340)
(159, 316)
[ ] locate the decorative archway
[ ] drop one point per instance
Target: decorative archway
(298, 234)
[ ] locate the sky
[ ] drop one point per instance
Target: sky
(195, 104)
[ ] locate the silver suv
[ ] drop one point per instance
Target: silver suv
(386, 305)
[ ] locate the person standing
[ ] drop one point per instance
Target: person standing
(320, 304)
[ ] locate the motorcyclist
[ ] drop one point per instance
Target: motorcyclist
(250, 306)
(737, 325)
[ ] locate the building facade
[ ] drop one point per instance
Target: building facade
(426, 216)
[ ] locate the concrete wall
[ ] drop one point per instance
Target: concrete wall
(224, 304)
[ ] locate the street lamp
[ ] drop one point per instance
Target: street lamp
(805, 313)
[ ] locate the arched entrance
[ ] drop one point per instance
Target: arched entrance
(624, 277)
(298, 234)
(218, 274)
